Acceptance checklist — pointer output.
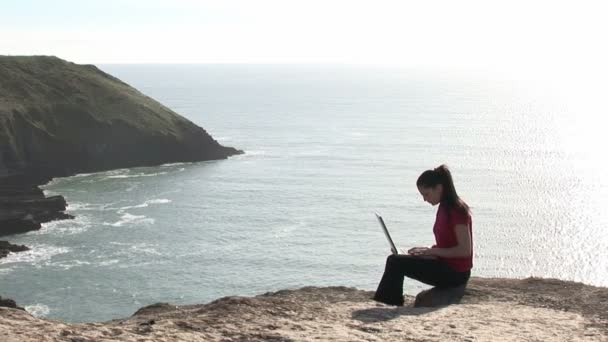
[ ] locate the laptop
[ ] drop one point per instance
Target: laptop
(386, 233)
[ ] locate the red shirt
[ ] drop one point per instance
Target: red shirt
(445, 236)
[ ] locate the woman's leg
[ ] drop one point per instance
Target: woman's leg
(430, 271)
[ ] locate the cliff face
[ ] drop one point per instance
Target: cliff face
(491, 310)
(58, 118)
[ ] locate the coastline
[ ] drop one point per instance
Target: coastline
(491, 309)
(58, 118)
(24, 207)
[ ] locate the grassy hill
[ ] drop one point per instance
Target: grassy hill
(58, 118)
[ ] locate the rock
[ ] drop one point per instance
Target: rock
(492, 309)
(17, 226)
(9, 303)
(20, 215)
(143, 329)
(439, 296)
(23, 206)
(79, 339)
(154, 309)
(148, 322)
(6, 247)
(66, 332)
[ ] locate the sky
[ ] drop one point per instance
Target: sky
(495, 34)
(562, 42)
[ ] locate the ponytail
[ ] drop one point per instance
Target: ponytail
(442, 175)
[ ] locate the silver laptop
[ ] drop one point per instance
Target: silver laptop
(388, 236)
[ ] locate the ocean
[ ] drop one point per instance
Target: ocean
(325, 146)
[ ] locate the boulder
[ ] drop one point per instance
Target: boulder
(9, 303)
(6, 248)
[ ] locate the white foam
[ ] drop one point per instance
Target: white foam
(145, 249)
(256, 153)
(36, 255)
(66, 265)
(92, 180)
(136, 175)
(65, 227)
(84, 206)
(172, 164)
(109, 262)
(250, 154)
(130, 249)
(38, 310)
(51, 182)
(116, 172)
(78, 175)
(159, 201)
(145, 204)
(128, 219)
(222, 139)
(116, 243)
(74, 206)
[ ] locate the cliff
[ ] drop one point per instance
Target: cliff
(59, 118)
(491, 310)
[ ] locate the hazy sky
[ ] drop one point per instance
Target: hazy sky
(496, 34)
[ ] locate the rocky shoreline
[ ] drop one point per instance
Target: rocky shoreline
(24, 207)
(492, 309)
(6, 247)
(59, 118)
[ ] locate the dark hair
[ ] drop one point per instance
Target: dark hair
(442, 175)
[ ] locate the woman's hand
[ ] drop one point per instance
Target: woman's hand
(419, 251)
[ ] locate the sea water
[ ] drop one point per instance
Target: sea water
(325, 147)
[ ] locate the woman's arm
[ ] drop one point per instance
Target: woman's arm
(461, 250)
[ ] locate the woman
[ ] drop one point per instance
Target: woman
(448, 262)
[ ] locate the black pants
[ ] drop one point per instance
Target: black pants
(432, 271)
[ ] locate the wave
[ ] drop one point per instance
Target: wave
(144, 248)
(128, 219)
(84, 206)
(145, 204)
(251, 154)
(137, 175)
(222, 139)
(48, 193)
(159, 201)
(65, 227)
(132, 187)
(36, 255)
(115, 172)
(38, 310)
(66, 265)
(78, 175)
(174, 164)
(109, 262)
